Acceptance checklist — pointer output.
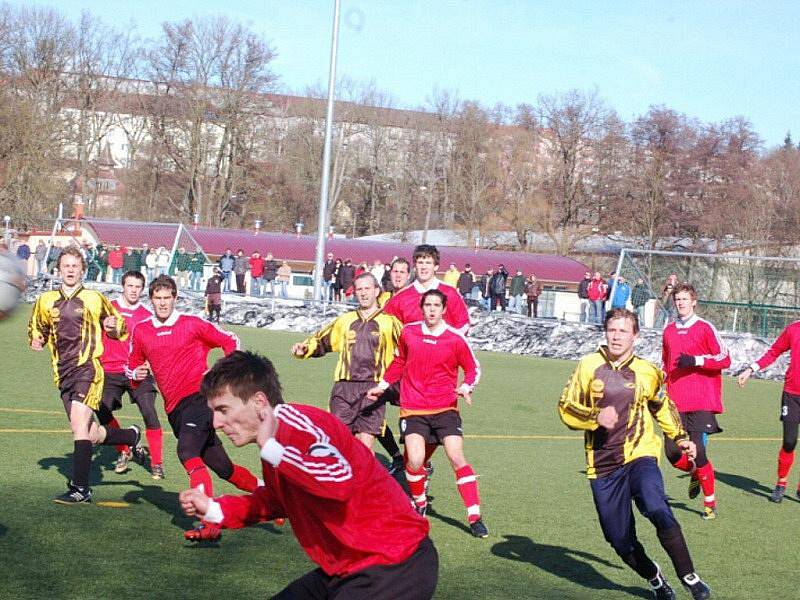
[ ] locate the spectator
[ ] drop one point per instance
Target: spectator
(41, 258)
(226, 262)
(328, 277)
(92, 270)
(214, 295)
(639, 297)
(283, 278)
(270, 272)
(102, 262)
(377, 270)
(116, 260)
(130, 262)
(347, 274)
(162, 261)
(256, 273)
(196, 264)
(337, 282)
(53, 255)
(586, 307)
(151, 264)
(486, 292)
(386, 279)
(451, 276)
(598, 289)
(182, 261)
(466, 281)
(24, 253)
(668, 311)
(498, 288)
(240, 266)
(532, 291)
(143, 253)
(517, 292)
(361, 268)
(621, 293)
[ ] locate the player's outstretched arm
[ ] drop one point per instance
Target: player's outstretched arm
(233, 511)
(327, 339)
(576, 407)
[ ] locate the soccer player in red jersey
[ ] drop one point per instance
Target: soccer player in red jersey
(349, 515)
(429, 355)
(788, 340)
(118, 380)
(176, 347)
(694, 357)
(405, 304)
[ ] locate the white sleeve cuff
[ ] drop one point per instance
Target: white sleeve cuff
(272, 452)
(214, 512)
(754, 367)
(698, 361)
(465, 388)
(384, 385)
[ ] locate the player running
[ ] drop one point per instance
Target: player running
(365, 339)
(118, 382)
(693, 358)
(788, 340)
(71, 321)
(349, 515)
(429, 355)
(614, 397)
(176, 347)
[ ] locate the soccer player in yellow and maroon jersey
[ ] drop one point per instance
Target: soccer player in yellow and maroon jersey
(614, 397)
(71, 321)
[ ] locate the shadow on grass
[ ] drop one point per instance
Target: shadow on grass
(445, 519)
(3, 530)
(751, 486)
(674, 504)
(102, 459)
(566, 563)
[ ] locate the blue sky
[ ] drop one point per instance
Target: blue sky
(711, 59)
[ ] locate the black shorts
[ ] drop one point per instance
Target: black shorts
(433, 428)
(192, 417)
(116, 384)
(85, 392)
(700, 421)
(349, 403)
(790, 408)
(413, 579)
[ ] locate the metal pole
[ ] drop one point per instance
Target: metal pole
(616, 276)
(326, 159)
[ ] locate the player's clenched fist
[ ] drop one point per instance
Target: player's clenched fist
(607, 417)
(299, 349)
(194, 502)
(37, 343)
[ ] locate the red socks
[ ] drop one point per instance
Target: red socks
(468, 488)
(416, 485)
(115, 424)
(785, 460)
(198, 475)
(684, 464)
(705, 475)
(154, 437)
(243, 479)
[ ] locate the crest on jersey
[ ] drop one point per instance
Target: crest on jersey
(55, 313)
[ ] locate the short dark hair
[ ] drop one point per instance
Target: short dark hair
(401, 261)
(243, 374)
(136, 275)
(163, 282)
(622, 313)
(438, 293)
(426, 251)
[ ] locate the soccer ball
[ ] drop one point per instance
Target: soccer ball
(12, 283)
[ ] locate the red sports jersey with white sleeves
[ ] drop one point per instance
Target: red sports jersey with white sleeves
(405, 305)
(115, 352)
(696, 388)
(177, 350)
(427, 364)
(347, 512)
(789, 339)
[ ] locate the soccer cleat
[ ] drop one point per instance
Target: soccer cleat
(420, 509)
(121, 464)
(709, 513)
(157, 472)
(397, 465)
(777, 494)
(694, 487)
(661, 589)
(478, 529)
(205, 532)
(138, 452)
(696, 587)
(74, 495)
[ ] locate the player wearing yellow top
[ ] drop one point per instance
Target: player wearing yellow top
(71, 321)
(614, 397)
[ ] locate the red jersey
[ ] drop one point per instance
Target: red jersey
(177, 350)
(115, 352)
(405, 305)
(699, 387)
(789, 339)
(347, 512)
(427, 361)
(256, 267)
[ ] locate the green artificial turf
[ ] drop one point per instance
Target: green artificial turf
(544, 541)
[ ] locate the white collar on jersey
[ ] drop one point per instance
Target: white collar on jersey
(124, 303)
(421, 289)
(440, 329)
(687, 323)
(173, 318)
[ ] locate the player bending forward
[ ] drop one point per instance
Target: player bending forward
(176, 346)
(614, 396)
(789, 339)
(429, 356)
(347, 512)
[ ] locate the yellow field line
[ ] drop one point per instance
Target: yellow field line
(35, 431)
(34, 411)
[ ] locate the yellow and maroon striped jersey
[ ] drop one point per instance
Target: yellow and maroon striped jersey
(635, 388)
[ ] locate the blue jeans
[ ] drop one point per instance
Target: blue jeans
(226, 281)
(117, 275)
(327, 291)
(599, 311)
(194, 280)
(640, 313)
(284, 289)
